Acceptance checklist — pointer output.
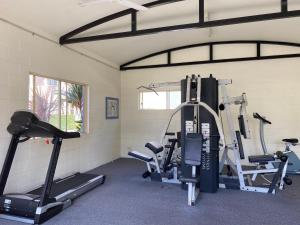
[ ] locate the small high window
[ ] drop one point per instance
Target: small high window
(160, 100)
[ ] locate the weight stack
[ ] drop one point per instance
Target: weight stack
(209, 169)
(209, 172)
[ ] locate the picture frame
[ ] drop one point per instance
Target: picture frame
(112, 108)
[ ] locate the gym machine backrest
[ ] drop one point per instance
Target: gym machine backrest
(193, 147)
(43, 203)
(192, 158)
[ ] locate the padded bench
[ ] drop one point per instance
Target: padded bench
(190, 180)
(154, 147)
(140, 156)
(261, 158)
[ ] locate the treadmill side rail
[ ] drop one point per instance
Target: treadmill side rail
(42, 209)
(39, 214)
(80, 190)
(17, 218)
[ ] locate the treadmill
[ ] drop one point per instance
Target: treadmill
(53, 196)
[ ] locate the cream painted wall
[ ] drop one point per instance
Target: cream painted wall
(22, 53)
(272, 88)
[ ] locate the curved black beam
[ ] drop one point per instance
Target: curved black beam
(65, 39)
(168, 52)
(69, 37)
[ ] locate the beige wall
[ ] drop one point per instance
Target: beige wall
(272, 88)
(22, 53)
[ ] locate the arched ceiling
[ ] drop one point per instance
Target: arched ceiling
(54, 18)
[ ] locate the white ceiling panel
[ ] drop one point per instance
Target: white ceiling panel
(57, 17)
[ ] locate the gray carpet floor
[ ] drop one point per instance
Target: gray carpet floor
(127, 199)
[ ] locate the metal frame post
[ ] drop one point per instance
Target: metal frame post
(8, 162)
(201, 11)
(133, 21)
(45, 196)
(284, 6)
(233, 139)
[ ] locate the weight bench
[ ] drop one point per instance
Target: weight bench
(145, 158)
(279, 173)
(261, 159)
(140, 156)
(155, 148)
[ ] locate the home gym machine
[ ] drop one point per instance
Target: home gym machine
(293, 166)
(201, 131)
(201, 134)
(41, 204)
(247, 178)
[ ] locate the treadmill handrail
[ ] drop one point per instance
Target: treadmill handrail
(28, 125)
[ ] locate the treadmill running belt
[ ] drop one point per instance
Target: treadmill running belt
(62, 185)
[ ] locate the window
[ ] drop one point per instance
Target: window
(159, 100)
(60, 103)
(174, 99)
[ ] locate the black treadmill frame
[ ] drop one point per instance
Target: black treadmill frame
(45, 197)
(56, 203)
(44, 204)
(8, 162)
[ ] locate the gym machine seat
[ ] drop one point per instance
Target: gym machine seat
(154, 147)
(261, 158)
(291, 140)
(53, 196)
(140, 156)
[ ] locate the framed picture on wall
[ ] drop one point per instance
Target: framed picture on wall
(112, 108)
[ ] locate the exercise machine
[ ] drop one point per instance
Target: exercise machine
(199, 137)
(293, 166)
(202, 138)
(162, 166)
(53, 196)
(247, 178)
(204, 121)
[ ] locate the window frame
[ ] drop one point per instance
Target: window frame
(60, 80)
(168, 103)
